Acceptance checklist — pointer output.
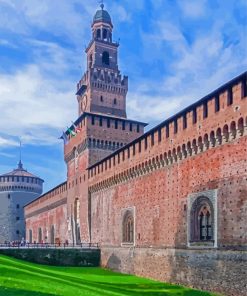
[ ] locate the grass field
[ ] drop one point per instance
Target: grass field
(19, 278)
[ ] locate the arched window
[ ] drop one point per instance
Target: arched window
(104, 34)
(98, 34)
(128, 227)
(202, 220)
(105, 58)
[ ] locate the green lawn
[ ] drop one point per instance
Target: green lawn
(19, 278)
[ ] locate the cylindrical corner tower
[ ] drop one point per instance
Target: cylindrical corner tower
(17, 188)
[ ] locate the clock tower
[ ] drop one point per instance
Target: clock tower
(102, 89)
(102, 125)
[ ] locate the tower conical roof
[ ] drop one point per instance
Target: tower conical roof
(19, 171)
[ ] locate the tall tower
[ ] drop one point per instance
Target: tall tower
(102, 89)
(104, 127)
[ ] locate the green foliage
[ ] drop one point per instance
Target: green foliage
(19, 278)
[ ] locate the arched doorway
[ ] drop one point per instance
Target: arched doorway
(77, 221)
(52, 235)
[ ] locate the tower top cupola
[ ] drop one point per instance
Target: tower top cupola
(102, 16)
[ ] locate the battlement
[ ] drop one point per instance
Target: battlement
(55, 194)
(99, 126)
(107, 76)
(103, 79)
(216, 119)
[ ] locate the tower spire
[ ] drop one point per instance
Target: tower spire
(102, 4)
(20, 165)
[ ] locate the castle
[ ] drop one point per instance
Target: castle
(168, 204)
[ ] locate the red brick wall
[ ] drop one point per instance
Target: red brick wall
(50, 209)
(160, 200)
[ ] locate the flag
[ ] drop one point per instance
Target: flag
(72, 133)
(76, 128)
(64, 138)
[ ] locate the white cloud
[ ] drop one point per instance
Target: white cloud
(7, 142)
(7, 43)
(193, 8)
(152, 108)
(35, 107)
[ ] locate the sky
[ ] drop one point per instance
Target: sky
(174, 52)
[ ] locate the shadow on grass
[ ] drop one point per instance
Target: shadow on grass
(19, 292)
(76, 279)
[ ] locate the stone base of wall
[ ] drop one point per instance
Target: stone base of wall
(58, 257)
(214, 270)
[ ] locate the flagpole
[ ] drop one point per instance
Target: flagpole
(20, 148)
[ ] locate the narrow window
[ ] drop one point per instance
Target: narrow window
(138, 128)
(17, 206)
(100, 122)
(140, 147)
(205, 110)
(116, 124)
(104, 34)
(101, 99)
(134, 149)
(108, 123)
(93, 121)
(123, 125)
(194, 116)
(243, 88)
(229, 97)
(167, 131)
(131, 127)
(159, 135)
(98, 33)
(175, 126)
(217, 103)
(105, 58)
(152, 139)
(184, 121)
(146, 143)
(115, 101)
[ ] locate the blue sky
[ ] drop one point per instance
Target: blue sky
(174, 52)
